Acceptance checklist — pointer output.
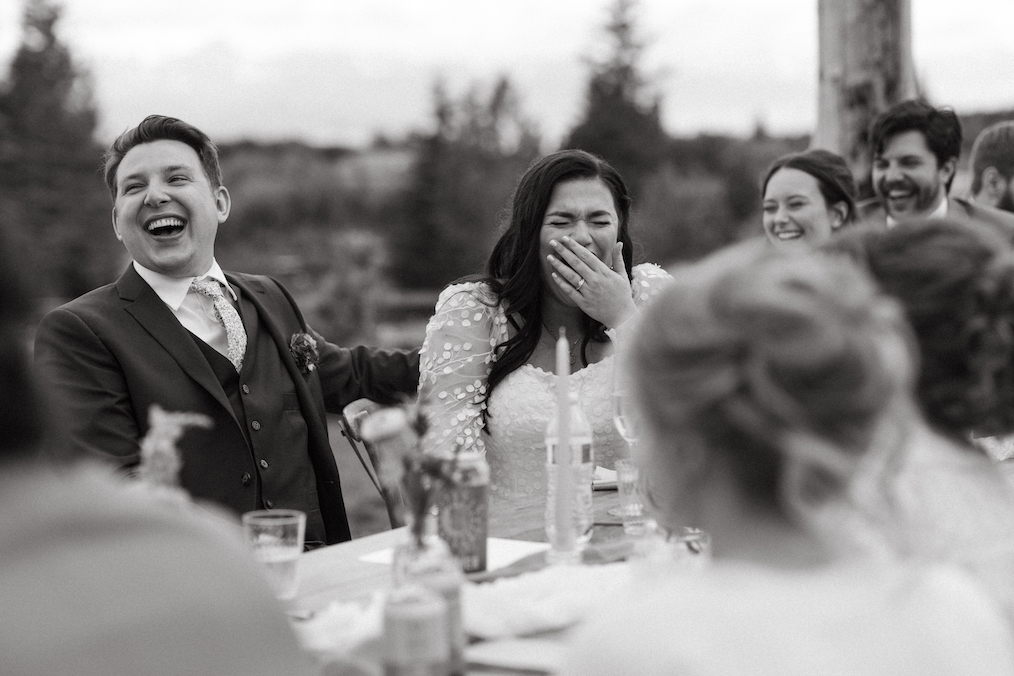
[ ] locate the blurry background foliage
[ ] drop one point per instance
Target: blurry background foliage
(365, 238)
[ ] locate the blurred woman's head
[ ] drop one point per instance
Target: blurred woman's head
(955, 281)
(773, 371)
(807, 197)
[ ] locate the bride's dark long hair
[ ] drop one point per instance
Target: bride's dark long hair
(514, 272)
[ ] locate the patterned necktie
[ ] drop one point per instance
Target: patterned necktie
(227, 316)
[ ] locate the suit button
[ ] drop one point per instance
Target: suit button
(264, 464)
(256, 425)
(269, 504)
(246, 479)
(246, 388)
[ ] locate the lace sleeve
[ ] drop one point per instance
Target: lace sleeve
(454, 365)
(648, 280)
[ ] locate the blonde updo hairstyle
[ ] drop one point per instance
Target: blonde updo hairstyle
(778, 366)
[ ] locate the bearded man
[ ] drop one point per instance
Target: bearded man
(915, 154)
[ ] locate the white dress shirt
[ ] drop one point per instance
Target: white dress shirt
(195, 311)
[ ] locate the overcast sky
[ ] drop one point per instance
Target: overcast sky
(334, 71)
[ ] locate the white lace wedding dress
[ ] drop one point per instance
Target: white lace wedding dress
(455, 361)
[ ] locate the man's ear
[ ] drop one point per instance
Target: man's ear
(947, 169)
(223, 203)
(992, 188)
(116, 230)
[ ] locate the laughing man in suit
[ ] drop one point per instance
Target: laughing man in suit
(151, 338)
(915, 154)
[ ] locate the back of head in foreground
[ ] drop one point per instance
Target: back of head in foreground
(955, 282)
(766, 379)
(95, 580)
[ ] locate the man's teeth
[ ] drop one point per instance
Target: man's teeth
(789, 234)
(163, 223)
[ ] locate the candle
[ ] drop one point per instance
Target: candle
(564, 465)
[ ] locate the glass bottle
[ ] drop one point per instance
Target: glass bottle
(425, 559)
(463, 508)
(582, 468)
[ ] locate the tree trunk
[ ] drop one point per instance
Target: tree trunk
(865, 68)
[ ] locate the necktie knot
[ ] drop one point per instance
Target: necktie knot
(208, 287)
(227, 316)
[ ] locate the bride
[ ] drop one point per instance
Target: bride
(487, 369)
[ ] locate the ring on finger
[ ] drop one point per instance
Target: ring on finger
(577, 287)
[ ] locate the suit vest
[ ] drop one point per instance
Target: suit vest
(268, 427)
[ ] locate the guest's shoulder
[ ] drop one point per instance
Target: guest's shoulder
(998, 217)
(95, 302)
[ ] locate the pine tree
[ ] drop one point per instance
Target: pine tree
(462, 181)
(52, 196)
(622, 117)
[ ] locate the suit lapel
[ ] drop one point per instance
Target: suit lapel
(147, 308)
(254, 293)
(313, 413)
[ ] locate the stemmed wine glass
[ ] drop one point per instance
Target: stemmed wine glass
(624, 414)
(625, 418)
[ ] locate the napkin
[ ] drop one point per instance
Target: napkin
(553, 598)
(499, 552)
(342, 627)
(603, 479)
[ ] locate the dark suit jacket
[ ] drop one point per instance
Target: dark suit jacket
(872, 211)
(112, 353)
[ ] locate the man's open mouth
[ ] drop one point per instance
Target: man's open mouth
(166, 226)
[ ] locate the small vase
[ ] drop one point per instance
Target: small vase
(424, 558)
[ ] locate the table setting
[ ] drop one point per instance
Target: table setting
(522, 574)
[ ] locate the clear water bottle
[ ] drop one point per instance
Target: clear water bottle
(582, 468)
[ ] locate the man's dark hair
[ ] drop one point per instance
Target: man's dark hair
(993, 147)
(162, 128)
(939, 126)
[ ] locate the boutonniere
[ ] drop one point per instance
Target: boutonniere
(304, 350)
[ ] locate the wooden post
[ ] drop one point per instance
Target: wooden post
(865, 68)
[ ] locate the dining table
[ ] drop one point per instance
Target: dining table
(358, 570)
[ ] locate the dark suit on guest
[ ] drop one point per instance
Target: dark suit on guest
(872, 211)
(112, 353)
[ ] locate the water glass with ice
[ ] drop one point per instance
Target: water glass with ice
(276, 538)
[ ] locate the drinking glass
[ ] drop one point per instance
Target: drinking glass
(631, 502)
(276, 537)
(625, 414)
